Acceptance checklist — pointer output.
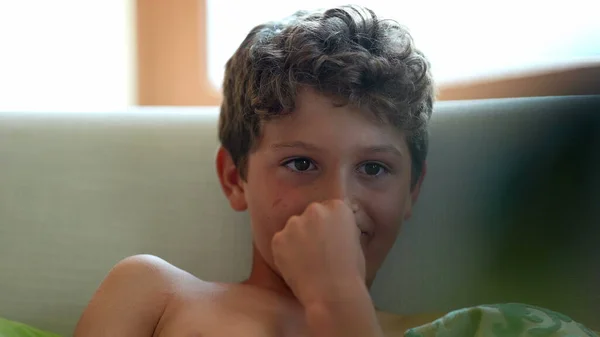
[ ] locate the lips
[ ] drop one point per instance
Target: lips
(364, 240)
(365, 236)
(364, 230)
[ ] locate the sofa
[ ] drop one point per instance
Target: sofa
(509, 210)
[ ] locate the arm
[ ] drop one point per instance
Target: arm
(130, 301)
(350, 315)
(320, 258)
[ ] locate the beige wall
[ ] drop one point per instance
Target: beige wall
(172, 64)
(577, 80)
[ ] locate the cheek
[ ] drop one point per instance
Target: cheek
(386, 233)
(271, 202)
(387, 212)
(287, 200)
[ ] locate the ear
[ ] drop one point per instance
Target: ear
(230, 179)
(414, 193)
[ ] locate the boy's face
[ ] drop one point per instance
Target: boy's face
(322, 152)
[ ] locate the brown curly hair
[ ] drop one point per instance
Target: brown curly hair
(347, 53)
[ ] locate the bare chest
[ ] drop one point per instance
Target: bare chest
(223, 321)
(252, 314)
(256, 324)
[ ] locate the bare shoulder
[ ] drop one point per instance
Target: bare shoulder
(143, 265)
(132, 298)
(150, 269)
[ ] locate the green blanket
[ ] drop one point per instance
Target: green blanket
(497, 320)
(502, 320)
(16, 329)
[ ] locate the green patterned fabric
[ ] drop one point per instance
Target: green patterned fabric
(15, 329)
(497, 320)
(502, 320)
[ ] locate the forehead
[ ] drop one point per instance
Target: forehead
(320, 119)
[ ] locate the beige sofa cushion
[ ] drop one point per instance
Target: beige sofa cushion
(80, 191)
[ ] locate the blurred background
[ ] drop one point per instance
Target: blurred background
(113, 54)
(509, 211)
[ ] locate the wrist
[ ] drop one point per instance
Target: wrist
(334, 293)
(343, 316)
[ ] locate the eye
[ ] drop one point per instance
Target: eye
(300, 164)
(373, 169)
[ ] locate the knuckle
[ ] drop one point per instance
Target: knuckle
(336, 205)
(292, 220)
(277, 239)
(314, 208)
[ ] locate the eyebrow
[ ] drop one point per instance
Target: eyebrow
(383, 149)
(311, 147)
(295, 145)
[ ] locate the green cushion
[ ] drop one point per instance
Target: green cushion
(502, 320)
(15, 329)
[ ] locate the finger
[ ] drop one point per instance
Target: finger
(331, 203)
(293, 218)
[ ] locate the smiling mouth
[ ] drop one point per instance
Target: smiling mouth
(363, 231)
(365, 237)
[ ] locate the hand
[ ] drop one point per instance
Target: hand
(319, 255)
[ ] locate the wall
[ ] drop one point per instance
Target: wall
(172, 67)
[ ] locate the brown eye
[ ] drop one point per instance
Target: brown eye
(373, 169)
(300, 165)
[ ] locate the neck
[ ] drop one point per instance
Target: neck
(264, 277)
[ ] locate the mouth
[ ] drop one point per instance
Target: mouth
(366, 233)
(365, 237)
(364, 230)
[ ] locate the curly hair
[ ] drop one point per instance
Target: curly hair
(347, 53)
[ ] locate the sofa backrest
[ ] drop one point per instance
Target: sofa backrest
(508, 211)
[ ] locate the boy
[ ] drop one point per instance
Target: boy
(323, 129)
(323, 133)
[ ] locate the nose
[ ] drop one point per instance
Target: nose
(352, 204)
(341, 188)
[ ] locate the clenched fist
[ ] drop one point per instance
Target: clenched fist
(319, 255)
